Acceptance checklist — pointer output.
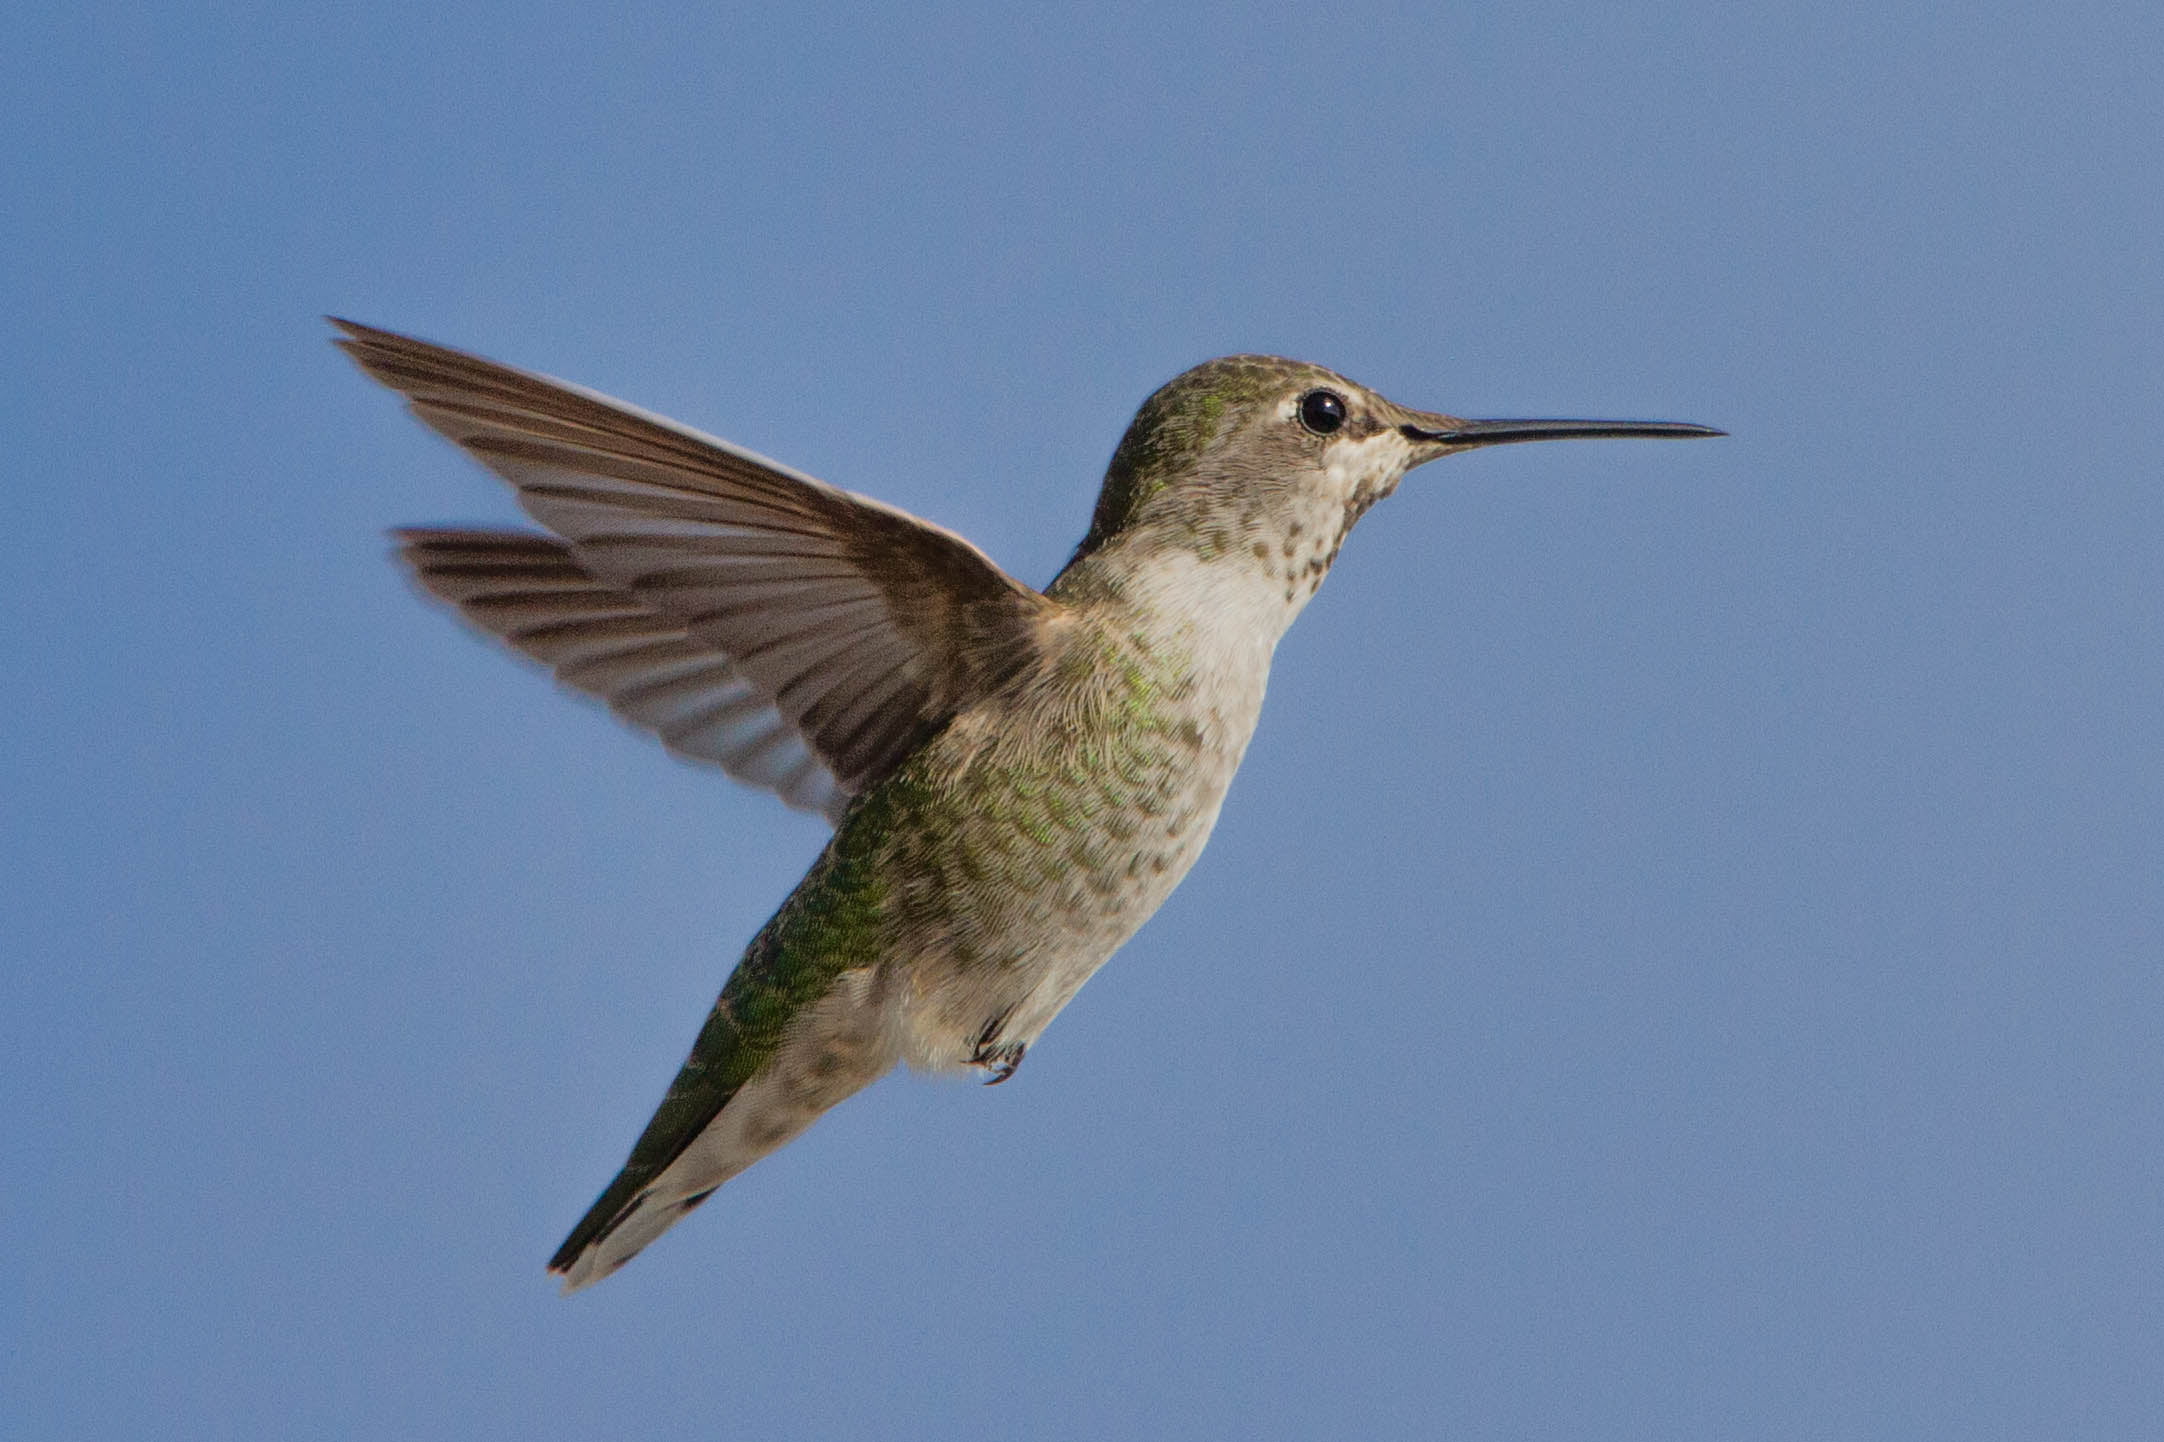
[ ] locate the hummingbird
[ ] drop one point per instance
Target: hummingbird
(1017, 778)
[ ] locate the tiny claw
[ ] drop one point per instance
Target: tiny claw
(998, 1057)
(1001, 1061)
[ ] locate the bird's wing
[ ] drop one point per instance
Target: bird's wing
(865, 627)
(529, 591)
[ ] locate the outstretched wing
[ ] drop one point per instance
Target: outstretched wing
(529, 591)
(865, 627)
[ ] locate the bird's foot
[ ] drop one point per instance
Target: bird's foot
(1001, 1059)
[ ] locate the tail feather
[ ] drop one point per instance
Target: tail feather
(730, 1105)
(615, 1230)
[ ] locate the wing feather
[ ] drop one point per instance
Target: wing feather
(859, 626)
(530, 592)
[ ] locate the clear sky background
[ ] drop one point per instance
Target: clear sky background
(1685, 957)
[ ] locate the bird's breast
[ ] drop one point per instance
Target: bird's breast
(1044, 827)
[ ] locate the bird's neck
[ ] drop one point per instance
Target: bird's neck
(1226, 604)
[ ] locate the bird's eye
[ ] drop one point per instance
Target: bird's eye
(1322, 411)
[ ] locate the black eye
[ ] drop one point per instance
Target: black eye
(1322, 411)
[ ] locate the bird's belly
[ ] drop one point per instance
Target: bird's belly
(1035, 907)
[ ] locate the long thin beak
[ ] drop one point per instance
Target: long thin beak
(1503, 433)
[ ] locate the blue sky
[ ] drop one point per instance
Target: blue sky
(1683, 956)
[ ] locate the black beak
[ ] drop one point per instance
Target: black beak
(1503, 433)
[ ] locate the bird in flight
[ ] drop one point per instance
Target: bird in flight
(1017, 778)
